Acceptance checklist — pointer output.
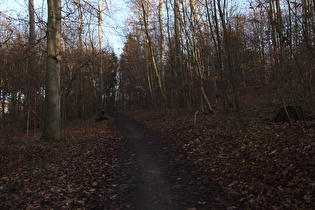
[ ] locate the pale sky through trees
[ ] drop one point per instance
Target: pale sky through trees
(114, 20)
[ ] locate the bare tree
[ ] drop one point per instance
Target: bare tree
(152, 56)
(195, 52)
(162, 45)
(178, 63)
(222, 12)
(101, 9)
(31, 63)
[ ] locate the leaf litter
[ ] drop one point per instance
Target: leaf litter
(74, 173)
(258, 164)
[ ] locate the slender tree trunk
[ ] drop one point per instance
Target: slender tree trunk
(196, 57)
(219, 55)
(229, 58)
(52, 123)
(80, 101)
(178, 57)
(101, 9)
(155, 67)
(162, 51)
(31, 64)
(150, 84)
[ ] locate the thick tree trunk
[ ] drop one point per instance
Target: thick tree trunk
(52, 124)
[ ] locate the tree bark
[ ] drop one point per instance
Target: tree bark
(155, 67)
(178, 57)
(196, 58)
(101, 9)
(162, 51)
(226, 45)
(52, 123)
(219, 54)
(31, 64)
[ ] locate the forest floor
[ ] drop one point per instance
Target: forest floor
(71, 174)
(150, 160)
(257, 163)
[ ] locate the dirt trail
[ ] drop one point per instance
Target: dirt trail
(147, 168)
(152, 179)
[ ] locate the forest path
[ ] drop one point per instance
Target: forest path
(147, 170)
(152, 176)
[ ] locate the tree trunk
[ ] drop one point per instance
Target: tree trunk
(178, 57)
(101, 8)
(52, 124)
(80, 89)
(162, 51)
(155, 67)
(31, 64)
(196, 56)
(219, 54)
(226, 45)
